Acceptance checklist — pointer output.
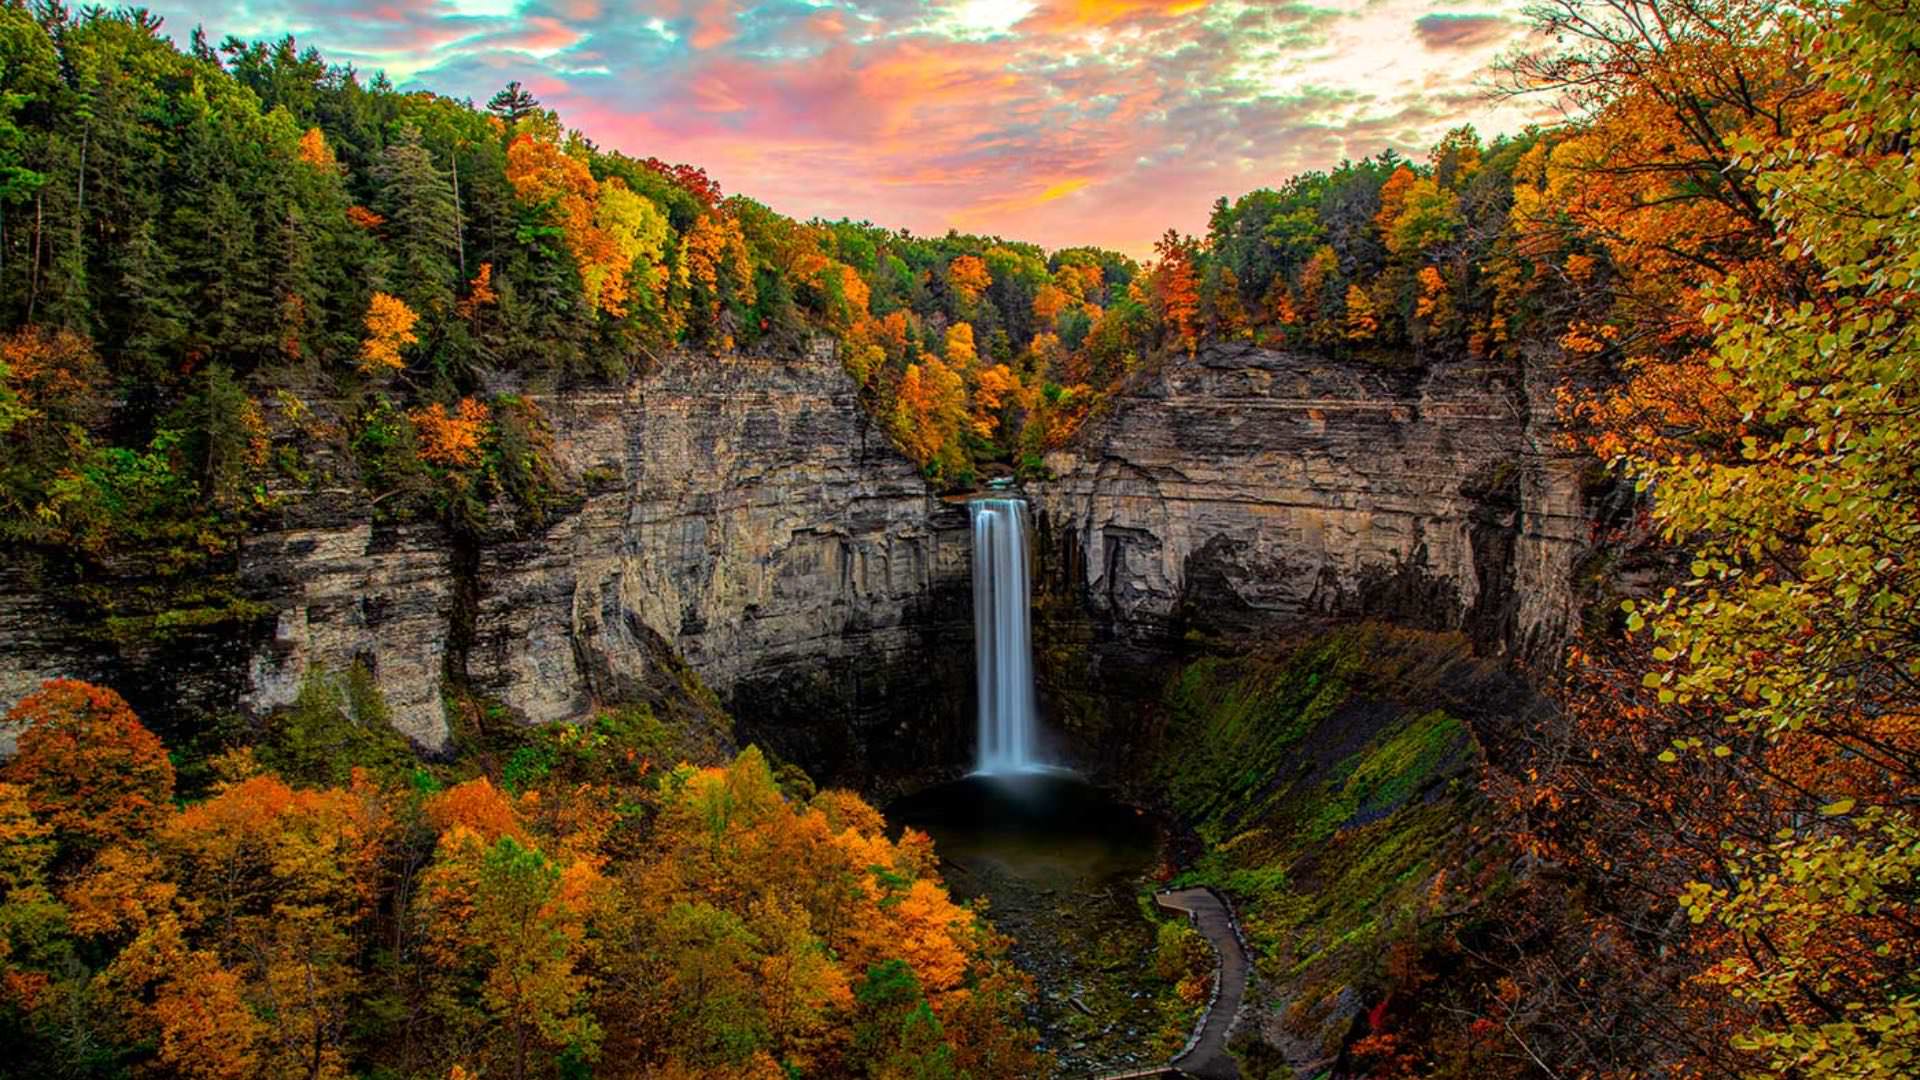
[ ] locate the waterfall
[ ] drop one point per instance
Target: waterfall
(1003, 650)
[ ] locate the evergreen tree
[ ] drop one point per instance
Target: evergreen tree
(512, 103)
(422, 223)
(152, 295)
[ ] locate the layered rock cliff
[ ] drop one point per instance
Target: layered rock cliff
(1245, 489)
(742, 514)
(745, 516)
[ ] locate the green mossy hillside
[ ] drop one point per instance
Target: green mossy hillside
(1331, 784)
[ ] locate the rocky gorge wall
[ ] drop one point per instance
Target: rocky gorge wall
(746, 517)
(741, 514)
(1249, 490)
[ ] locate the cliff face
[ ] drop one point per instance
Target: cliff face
(1246, 489)
(744, 516)
(747, 514)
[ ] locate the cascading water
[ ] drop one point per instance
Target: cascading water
(1003, 650)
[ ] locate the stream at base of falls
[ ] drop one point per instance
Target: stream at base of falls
(1063, 867)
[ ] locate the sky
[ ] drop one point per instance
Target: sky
(1060, 122)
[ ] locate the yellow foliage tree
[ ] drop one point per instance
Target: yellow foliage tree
(389, 325)
(1362, 324)
(314, 151)
(969, 276)
(959, 350)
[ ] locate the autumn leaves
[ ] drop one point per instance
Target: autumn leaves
(701, 922)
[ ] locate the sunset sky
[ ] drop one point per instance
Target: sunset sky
(1057, 121)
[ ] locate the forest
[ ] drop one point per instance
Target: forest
(225, 268)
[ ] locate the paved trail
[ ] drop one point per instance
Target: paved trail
(1208, 1058)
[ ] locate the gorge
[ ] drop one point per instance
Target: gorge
(481, 600)
(739, 530)
(745, 517)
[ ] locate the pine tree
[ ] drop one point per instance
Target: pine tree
(512, 103)
(422, 226)
(152, 294)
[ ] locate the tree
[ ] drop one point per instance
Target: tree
(897, 1036)
(188, 1004)
(967, 275)
(1362, 324)
(1050, 300)
(635, 248)
(451, 440)
(1393, 200)
(91, 770)
(1742, 759)
(389, 323)
(1427, 216)
(422, 222)
(479, 807)
(996, 388)
(929, 408)
(1796, 627)
(516, 920)
(959, 348)
(284, 884)
(1176, 288)
(720, 272)
(32, 922)
(512, 102)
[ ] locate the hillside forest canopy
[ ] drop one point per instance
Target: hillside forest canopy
(230, 271)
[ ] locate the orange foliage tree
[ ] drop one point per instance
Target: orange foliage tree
(719, 269)
(604, 225)
(928, 410)
(503, 915)
(773, 919)
(90, 769)
(451, 440)
(1175, 291)
(969, 277)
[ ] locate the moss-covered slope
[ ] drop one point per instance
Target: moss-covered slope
(1330, 785)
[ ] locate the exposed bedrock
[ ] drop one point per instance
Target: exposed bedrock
(742, 514)
(1246, 490)
(746, 517)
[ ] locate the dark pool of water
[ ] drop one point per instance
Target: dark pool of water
(1044, 828)
(1062, 865)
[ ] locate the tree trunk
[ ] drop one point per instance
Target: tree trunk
(33, 278)
(459, 219)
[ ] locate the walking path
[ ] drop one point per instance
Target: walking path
(1206, 1055)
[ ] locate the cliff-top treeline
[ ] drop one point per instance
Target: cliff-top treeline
(237, 269)
(221, 266)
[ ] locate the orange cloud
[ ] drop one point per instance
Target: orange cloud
(1070, 14)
